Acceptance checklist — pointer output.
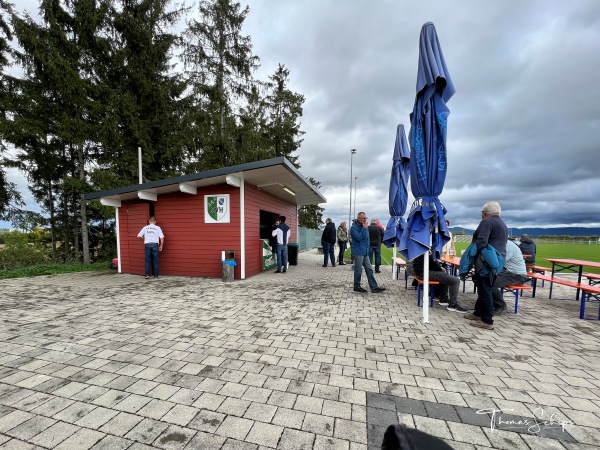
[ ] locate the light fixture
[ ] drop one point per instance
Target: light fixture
(288, 190)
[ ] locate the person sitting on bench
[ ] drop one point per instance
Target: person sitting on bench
(513, 274)
(448, 287)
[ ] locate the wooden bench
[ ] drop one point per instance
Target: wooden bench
(431, 283)
(516, 289)
(593, 278)
(400, 264)
(588, 292)
(538, 269)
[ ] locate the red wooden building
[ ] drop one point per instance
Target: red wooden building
(203, 214)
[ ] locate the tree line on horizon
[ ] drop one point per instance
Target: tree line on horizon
(88, 82)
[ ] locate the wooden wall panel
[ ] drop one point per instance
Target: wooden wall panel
(192, 247)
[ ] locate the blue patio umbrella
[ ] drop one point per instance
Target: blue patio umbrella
(426, 229)
(398, 190)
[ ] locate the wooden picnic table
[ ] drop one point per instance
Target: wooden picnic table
(571, 265)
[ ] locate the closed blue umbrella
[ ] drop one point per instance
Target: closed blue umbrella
(398, 190)
(426, 229)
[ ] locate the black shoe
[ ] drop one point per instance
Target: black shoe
(284, 271)
(377, 271)
(342, 264)
(324, 265)
(457, 308)
(333, 265)
(147, 277)
(443, 302)
(278, 271)
(360, 289)
(378, 290)
(156, 277)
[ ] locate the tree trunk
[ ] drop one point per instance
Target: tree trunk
(83, 210)
(52, 221)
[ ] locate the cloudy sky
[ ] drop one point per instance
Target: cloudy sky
(524, 125)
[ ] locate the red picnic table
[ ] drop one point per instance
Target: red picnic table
(571, 265)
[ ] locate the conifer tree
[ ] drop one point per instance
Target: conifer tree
(285, 110)
(220, 64)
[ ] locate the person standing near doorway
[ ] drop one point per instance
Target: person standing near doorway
(154, 239)
(282, 232)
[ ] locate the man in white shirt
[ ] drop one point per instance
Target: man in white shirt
(153, 243)
(283, 233)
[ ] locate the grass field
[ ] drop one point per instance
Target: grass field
(568, 251)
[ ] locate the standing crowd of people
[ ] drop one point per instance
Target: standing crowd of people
(492, 260)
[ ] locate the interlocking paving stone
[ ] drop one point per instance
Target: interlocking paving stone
(178, 351)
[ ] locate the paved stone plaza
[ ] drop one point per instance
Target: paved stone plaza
(287, 361)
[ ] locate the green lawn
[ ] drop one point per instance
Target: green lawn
(568, 251)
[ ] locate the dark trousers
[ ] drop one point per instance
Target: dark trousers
(151, 258)
(328, 253)
(484, 307)
(504, 278)
(377, 252)
(343, 245)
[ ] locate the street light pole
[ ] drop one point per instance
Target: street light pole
(352, 153)
(355, 178)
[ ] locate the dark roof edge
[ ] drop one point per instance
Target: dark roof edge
(202, 175)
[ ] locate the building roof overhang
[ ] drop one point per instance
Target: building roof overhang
(276, 176)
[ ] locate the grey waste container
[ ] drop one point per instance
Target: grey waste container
(292, 249)
(228, 269)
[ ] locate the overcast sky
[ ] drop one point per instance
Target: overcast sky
(524, 124)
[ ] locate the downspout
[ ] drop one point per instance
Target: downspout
(242, 229)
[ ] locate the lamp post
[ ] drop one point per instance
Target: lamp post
(355, 178)
(352, 153)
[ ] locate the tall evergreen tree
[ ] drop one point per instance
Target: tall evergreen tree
(220, 64)
(57, 106)
(285, 110)
(145, 98)
(10, 198)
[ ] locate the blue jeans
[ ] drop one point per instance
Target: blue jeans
(281, 257)
(328, 253)
(361, 261)
(484, 306)
(377, 251)
(151, 257)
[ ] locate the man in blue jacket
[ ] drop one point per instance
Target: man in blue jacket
(493, 231)
(360, 249)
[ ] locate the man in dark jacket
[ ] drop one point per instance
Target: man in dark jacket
(448, 283)
(491, 231)
(376, 238)
(527, 247)
(360, 248)
(328, 242)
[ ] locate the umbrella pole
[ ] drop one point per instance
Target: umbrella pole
(394, 263)
(426, 288)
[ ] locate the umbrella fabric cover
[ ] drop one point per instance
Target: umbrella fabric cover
(398, 189)
(426, 227)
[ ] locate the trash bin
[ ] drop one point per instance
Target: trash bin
(228, 269)
(293, 248)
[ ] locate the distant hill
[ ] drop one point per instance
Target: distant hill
(535, 232)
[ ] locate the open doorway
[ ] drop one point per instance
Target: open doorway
(269, 246)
